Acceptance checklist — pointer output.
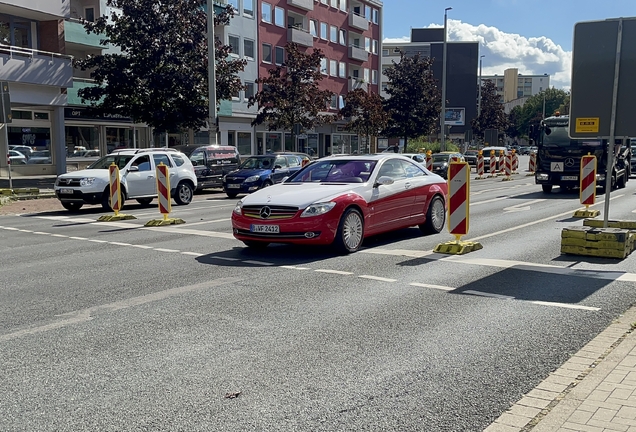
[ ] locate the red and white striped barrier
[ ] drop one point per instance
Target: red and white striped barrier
(508, 165)
(459, 192)
(429, 162)
(532, 165)
(502, 163)
(492, 166)
(163, 190)
(515, 162)
(588, 180)
(115, 188)
(480, 165)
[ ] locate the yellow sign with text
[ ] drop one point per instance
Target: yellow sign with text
(587, 125)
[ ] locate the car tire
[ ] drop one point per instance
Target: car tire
(350, 232)
(144, 201)
(435, 217)
(72, 206)
(255, 244)
(231, 194)
(106, 200)
(546, 188)
(623, 181)
(184, 193)
(266, 183)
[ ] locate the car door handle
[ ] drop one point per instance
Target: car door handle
(171, 174)
(407, 185)
(150, 176)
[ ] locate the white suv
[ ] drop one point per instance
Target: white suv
(137, 177)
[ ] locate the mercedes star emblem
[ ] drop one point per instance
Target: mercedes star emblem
(265, 212)
(569, 162)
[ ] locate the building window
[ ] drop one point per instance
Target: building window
(235, 5)
(324, 1)
(374, 76)
(248, 49)
(280, 55)
(15, 31)
(366, 75)
(279, 17)
(385, 52)
(367, 13)
(333, 68)
(266, 12)
(89, 14)
(333, 34)
(40, 116)
(375, 16)
(342, 71)
(249, 90)
(343, 37)
(323, 31)
(384, 86)
(248, 8)
(267, 53)
(323, 66)
(236, 96)
(244, 142)
(234, 42)
(343, 5)
(312, 28)
(334, 4)
(375, 47)
(334, 102)
(367, 44)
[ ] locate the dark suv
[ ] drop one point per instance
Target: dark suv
(211, 163)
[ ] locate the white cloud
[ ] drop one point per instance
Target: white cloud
(532, 56)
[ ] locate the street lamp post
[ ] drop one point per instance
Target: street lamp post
(443, 113)
(543, 117)
(479, 97)
(211, 75)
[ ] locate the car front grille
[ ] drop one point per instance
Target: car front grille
(68, 182)
(275, 212)
(279, 236)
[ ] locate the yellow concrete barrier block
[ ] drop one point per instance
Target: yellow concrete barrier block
(114, 218)
(457, 248)
(162, 222)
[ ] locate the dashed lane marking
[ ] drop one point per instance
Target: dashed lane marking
(294, 267)
(377, 278)
(203, 223)
(338, 272)
(258, 263)
(491, 295)
(564, 305)
(438, 287)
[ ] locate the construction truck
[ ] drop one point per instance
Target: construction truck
(559, 156)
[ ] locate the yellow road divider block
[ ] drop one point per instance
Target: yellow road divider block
(600, 242)
(586, 214)
(6, 192)
(630, 225)
(166, 221)
(457, 248)
(115, 217)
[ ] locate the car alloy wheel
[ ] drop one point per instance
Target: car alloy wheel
(350, 231)
(184, 194)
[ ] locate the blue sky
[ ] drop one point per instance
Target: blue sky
(533, 36)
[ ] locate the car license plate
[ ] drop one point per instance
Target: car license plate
(569, 178)
(233, 186)
(66, 191)
(265, 229)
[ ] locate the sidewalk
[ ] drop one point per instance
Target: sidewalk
(595, 390)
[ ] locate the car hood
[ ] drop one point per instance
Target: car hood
(440, 164)
(97, 173)
(248, 173)
(301, 194)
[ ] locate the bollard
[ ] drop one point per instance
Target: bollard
(458, 210)
(507, 167)
(502, 160)
(115, 198)
(532, 164)
(163, 195)
(480, 165)
(587, 184)
(492, 166)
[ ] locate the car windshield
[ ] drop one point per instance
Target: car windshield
(441, 158)
(120, 160)
(558, 136)
(336, 171)
(258, 163)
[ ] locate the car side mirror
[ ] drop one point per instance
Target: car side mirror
(133, 168)
(383, 181)
(194, 163)
(277, 167)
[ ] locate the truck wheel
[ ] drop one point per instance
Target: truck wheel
(546, 188)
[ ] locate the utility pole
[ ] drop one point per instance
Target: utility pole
(211, 75)
(543, 116)
(479, 98)
(443, 113)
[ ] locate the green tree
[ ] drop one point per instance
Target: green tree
(160, 74)
(291, 94)
(414, 102)
(365, 113)
(514, 118)
(532, 110)
(492, 114)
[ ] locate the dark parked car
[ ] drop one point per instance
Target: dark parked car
(211, 163)
(257, 172)
(442, 160)
(470, 156)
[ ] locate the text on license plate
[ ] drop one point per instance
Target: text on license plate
(66, 191)
(569, 178)
(233, 185)
(265, 228)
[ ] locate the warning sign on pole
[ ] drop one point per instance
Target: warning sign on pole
(164, 198)
(115, 198)
(588, 187)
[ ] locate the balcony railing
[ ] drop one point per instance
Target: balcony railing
(72, 92)
(302, 4)
(299, 35)
(75, 33)
(29, 66)
(358, 21)
(357, 53)
(358, 83)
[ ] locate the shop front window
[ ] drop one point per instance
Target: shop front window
(244, 143)
(118, 138)
(37, 138)
(312, 145)
(82, 141)
(289, 145)
(230, 137)
(272, 142)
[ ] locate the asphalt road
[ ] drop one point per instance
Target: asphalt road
(116, 326)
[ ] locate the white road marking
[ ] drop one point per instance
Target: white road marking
(119, 243)
(55, 218)
(166, 250)
(226, 258)
(196, 254)
(333, 272)
(294, 267)
(142, 246)
(61, 236)
(191, 232)
(40, 233)
(88, 314)
(204, 222)
(398, 252)
(522, 206)
(377, 278)
(258, 262)
(26, 231)
(78, 238)
(489, 201)
(492, 295)
(438, 287)
(98, 241)
(11, 228)
(564, 305)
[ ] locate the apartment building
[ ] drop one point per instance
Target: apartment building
(513, 85)
(34, 62)
(348, 32)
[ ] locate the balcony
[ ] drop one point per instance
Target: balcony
(300, 36)
(75, 33)
(27, 66)
(357, 83)
(307, 5)
(357, 53)
(72, 92)
(358, 21)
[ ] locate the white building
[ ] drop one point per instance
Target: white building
(513, 85)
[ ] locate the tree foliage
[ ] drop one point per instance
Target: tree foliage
(532, 111)
(414, 102)
(291, 94)
(365, 113)
(492, 114)
(514, 117)
(160, 74)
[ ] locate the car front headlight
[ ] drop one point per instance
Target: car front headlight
(238, 208)
(600, 177)
(87, 181)
(543, 176)
(445, 164)
(318, 209)
(252, 179)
